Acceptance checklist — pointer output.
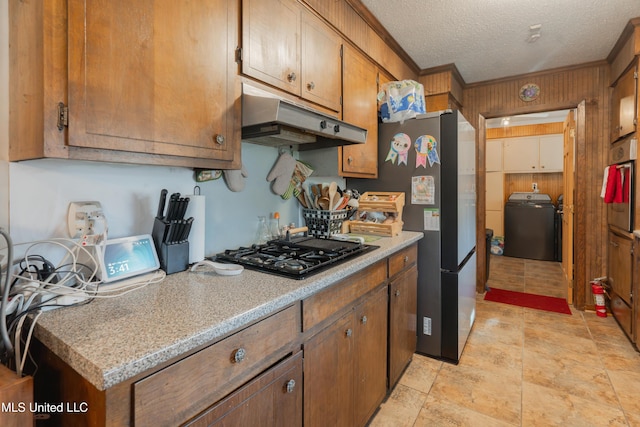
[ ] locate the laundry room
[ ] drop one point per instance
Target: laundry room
(525, 184)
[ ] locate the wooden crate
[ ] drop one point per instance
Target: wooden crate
(381, 201)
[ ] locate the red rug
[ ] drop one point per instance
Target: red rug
(539, 302)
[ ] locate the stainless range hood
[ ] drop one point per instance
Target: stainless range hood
(272, 121)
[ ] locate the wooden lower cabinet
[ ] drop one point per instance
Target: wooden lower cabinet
(274, 399)
(345, 366)
(371, 355)
(402, 322)
(328, 373)
(352, 340)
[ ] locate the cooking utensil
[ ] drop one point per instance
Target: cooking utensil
(333, 188)
(301, 199)
(323, 202)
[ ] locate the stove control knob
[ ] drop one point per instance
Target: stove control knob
(239, 355)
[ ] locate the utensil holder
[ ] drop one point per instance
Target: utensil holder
(173, 257)
(324, 223)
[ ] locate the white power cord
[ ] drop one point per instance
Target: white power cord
(29, 291)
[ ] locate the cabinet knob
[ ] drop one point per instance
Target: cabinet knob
(292, 77)
(406, 259)
(350, 160)
(239, 355)
(364, 320)
(311, 85)
(290, 385)
(348, 332)
(220, 139)
(397, 292)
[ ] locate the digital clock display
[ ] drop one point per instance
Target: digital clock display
(128, 257)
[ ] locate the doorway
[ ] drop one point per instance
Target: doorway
(532, 155)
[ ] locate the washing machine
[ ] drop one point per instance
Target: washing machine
(530, 226)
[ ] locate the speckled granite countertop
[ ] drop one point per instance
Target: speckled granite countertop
(111, 340)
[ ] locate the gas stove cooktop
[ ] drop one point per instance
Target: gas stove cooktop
(297, 258)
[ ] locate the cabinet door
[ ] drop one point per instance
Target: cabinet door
(402, 322)
(520, 154)
(623, 105)
(271, 42)
(274, 399)
(153, 77)
(494, 191)
(494, 155)
(359, 106)
(321, 63)
(620, 266)
(328, 375)
(551, 153)
(371, 358)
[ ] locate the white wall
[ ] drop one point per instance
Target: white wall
(41, 191)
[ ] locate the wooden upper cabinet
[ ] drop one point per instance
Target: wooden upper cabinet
(153, 77)
(288, 47)
(623, 105)
(359, 106)
(321, 63)
(271, 42)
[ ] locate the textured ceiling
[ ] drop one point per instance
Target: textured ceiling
(488, 39)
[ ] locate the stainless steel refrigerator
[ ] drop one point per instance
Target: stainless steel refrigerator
(432, 159)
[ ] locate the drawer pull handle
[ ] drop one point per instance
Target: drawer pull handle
(290, 385)
(350, 160)
(406, 259)
(239, 355)
(349, 332)
(364, 320)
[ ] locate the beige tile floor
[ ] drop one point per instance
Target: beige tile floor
(524, 367)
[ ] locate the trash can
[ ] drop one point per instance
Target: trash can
(489, 237)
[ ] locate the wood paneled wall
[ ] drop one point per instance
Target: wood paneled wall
(548, 183)
(526, 130)
(559, 89)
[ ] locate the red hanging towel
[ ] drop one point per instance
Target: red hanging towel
(625, 185)
(612, 183)
(617, 197)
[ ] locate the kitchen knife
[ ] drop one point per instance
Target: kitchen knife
(187, 229)
(163, 200)
(173, 204)
(184, 202)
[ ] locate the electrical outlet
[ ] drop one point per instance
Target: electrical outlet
(81, 218)
(426, 326)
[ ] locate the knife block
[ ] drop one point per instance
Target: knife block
(174, 258)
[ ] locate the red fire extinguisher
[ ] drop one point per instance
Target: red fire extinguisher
(598, 296)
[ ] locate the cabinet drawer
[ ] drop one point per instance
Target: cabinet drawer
(402, 259)
(187, 387)
(325, 303)
(273, 398)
